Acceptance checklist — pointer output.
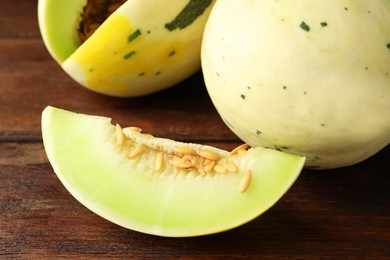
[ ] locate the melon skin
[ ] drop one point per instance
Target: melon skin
(305, 77)
(84, 154)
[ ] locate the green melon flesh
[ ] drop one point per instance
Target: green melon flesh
(84, 153)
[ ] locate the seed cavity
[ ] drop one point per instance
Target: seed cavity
(185, 158)
(94, 13)
(245, 181)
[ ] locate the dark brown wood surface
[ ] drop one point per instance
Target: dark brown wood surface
(335, 214)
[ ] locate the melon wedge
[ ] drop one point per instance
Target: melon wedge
(171, 200)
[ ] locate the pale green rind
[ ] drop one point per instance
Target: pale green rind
(58, 22)
(83, 152)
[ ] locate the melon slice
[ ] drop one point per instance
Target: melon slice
(142, 183)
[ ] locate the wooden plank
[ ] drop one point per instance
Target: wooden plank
(334, 214)
(18, 19)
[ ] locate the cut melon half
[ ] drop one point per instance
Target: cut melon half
(159, 186)
(141, 48)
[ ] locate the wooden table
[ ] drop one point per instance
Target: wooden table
(334, 214)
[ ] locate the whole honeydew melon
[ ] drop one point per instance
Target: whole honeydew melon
(306, 77)
(160, 186)
(143, 47)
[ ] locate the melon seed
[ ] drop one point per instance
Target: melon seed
(120, 137)
(208, 167)
(209, 155)
(136, 152)
(245, 181)
(200, 167)
(175, 160)
(159, 162)
(187, 158)
(242, 147)
(231, 167)
(220, 168)
(205, 161)
(134, 128)
(181, 164)
(184, 150)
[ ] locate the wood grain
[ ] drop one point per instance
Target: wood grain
(334, 214)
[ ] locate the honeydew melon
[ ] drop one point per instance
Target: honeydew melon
(91, 158)
(306, 77)
(143, 47)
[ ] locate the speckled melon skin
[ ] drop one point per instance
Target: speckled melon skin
(307, 77)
